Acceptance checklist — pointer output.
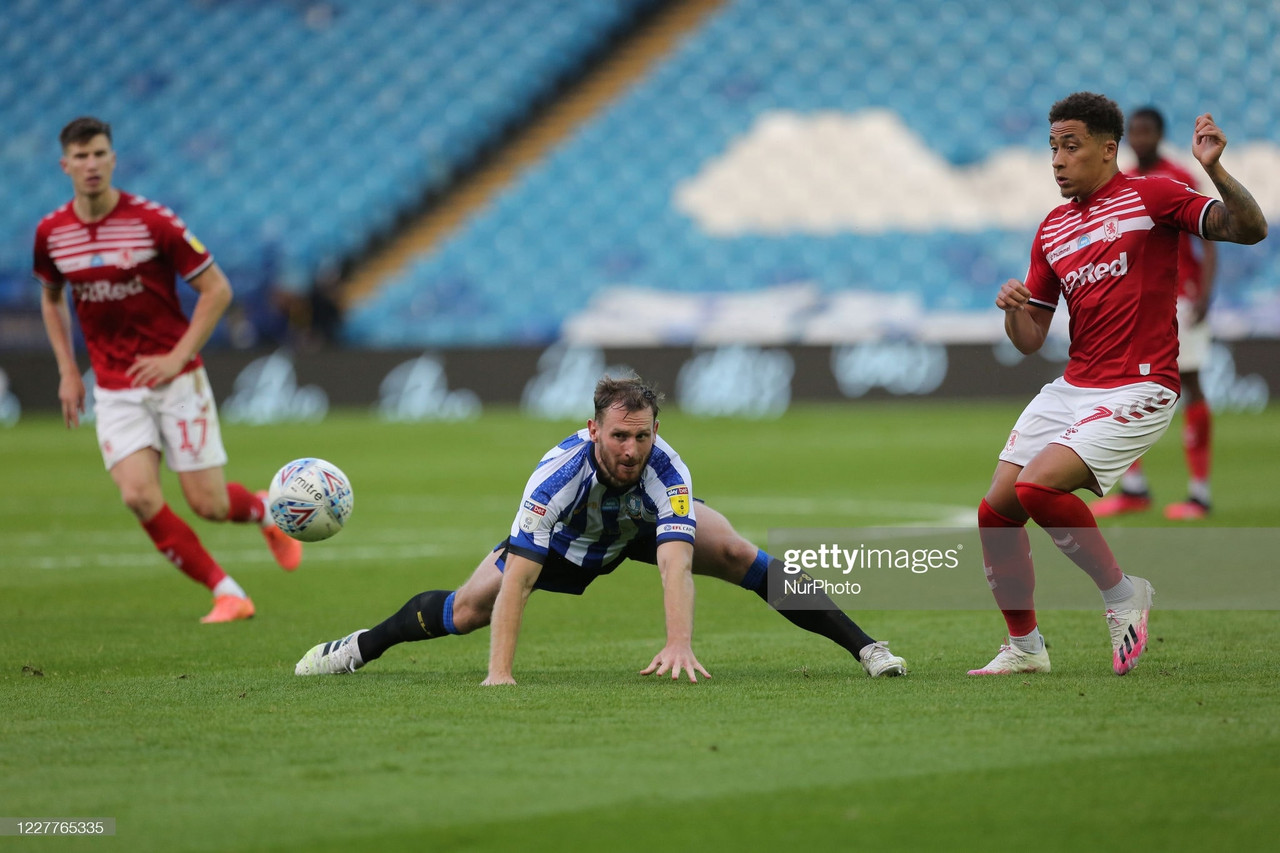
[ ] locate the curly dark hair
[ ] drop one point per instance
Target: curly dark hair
(1101, 115)
(631, 393)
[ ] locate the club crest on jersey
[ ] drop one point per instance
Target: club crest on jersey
(679, 496)
(633, 504)
(1111, 230)
(1013, 439)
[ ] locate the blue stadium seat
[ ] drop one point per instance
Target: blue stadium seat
(237, 111)
(969, 78)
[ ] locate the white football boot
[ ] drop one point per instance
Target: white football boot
(878, 661)
(332, 658)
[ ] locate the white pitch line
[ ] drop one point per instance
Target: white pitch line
(318, 554)
(129, 535)
(942, 514)
(907, 513)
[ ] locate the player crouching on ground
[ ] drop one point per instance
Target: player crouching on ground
(610, 492)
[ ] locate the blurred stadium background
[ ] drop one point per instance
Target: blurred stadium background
(466, 201)
(429, 207)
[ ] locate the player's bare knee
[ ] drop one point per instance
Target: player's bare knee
(210, 508)
(738, 553)
(1005, 502)
(142, 502)
(470, 615)
(728, 557)
(473, 602)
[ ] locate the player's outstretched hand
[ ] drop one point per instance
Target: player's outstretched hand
(148, 371)
(675, 658)
(1013, 295)
(1208, 141)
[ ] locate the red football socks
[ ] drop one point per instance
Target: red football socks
(1195, 439)
(245, 505)
(1006, 558)
(1068, 520)
(174, 538)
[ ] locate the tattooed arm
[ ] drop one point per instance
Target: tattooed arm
(1238, 219)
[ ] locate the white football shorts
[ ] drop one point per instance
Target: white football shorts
(179, 419)
(1107, 427)
(1193, 339)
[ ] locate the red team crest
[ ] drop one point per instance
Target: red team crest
(1111, 230)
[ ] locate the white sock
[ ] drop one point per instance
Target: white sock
(1030, 644)
(1119, 593)
(1133, 483)
(228, 586)
(1199, 490)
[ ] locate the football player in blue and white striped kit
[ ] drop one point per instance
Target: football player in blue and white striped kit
(610, 492)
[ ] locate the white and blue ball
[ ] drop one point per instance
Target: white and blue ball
(310, 499)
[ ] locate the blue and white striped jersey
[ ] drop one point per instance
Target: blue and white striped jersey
(567, 510)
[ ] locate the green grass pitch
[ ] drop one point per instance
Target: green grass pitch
(116, 702)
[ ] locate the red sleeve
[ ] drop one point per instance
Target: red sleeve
(43, 267)
(189, 255)
(1042, 281)
(1174, 203)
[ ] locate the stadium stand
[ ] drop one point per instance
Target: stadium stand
(289, 134)
(856, 147)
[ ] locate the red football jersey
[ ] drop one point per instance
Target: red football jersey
(1114, 258)
(1190, 268)
(121, 273)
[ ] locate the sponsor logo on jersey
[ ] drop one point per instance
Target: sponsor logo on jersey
(1093, 273)
(106, 291)
(191, 240)
(531, 515)
(1013, 439)
(679, 496)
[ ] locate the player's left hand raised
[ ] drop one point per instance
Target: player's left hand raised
(675, 658)
(1208, 141)
(148, 371)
